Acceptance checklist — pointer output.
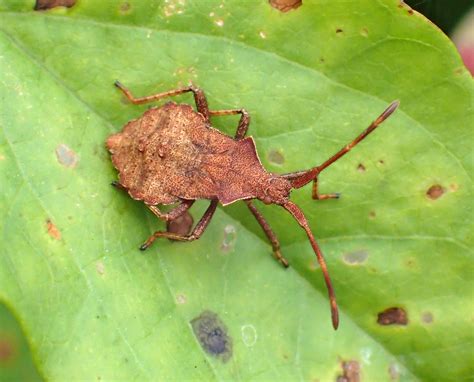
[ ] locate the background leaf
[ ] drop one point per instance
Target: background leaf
(312, 79)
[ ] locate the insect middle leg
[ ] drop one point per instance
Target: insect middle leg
(199, 97)
(269, 232)
(174, 213)
(194, 235)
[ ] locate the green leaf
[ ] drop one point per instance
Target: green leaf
(93, 306)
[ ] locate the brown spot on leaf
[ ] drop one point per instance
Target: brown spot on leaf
(125, 7)
(181, 225)
(100, 267)
(361, 167)
(276, 157)
(42, 5)
(285, 5)
(372, 215)
(435, 192)
(66, 156)
(53, 231)
(381, 161)
(356, 257)
(392, 316)
(339, 30)
(350, 372)
(427, 317)
(212, 335)
(410, 11)
(7, 350)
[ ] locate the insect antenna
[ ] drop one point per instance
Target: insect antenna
(301, 219)
(301, 178)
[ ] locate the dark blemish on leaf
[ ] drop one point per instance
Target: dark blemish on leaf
(356, 257)
(410, 262)
(125, 7)
(322, 60)
(276, 157)
(42, 5)
(392, 316)
(53, 230)
(350, 372)
(181, 225)
(230, 236)
(285, 356)
(181, 299)
(459, 70)
(361, 167)
(7, 350)
(427, 317)
(339, 30)
(66, 156)
(394, 372)
(364, 32)
(212, 335)
(372, 215)
(381, 161)
(286, 5)
(435, 192)
(410, 11)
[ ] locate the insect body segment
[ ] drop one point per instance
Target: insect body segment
(172, 154)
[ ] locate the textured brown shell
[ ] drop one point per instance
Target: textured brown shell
(170, 153)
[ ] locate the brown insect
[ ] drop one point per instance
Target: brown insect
(172, 154)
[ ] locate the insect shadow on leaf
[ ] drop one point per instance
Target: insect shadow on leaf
(172, 154)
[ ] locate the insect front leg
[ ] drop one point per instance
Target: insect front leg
(269, 232)
(244, 121)
(194, 235)
(315, 192)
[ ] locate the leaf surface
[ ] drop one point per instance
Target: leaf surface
(312, 79)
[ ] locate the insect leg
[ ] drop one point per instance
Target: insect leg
(199, 97)
(243, 123)
(174, 213)
(301, 178)
(269, 232)
(118, 185)
(194, 235)
(294, 210)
